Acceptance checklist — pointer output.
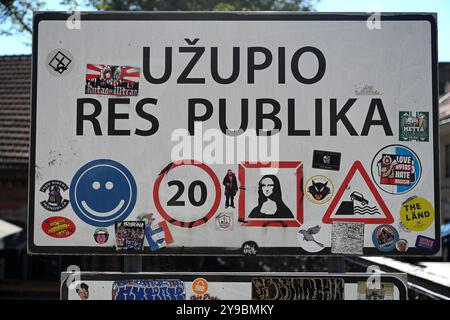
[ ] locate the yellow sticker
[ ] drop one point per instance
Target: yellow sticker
(417, 214)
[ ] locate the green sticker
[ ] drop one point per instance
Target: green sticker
(413, 126)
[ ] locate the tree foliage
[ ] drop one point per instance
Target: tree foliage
(16, 15)
(204, 5)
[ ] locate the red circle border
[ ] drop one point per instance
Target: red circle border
(211, 212)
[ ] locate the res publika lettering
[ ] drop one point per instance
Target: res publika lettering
(257, 60)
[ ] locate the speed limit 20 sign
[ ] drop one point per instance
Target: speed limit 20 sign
(232, 133)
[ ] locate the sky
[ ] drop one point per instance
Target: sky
(17, 44)
(441, 7)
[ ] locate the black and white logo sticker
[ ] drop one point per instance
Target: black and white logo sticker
(59, 62)
(55, 201)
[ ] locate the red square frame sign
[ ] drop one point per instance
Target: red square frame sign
(298, 217)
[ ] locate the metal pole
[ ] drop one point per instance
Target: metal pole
(132, 263)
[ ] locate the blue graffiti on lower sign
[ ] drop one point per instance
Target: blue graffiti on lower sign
(148, 290)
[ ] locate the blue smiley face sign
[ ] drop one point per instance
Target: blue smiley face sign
(102, 192)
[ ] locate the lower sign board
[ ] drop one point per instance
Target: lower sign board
(231, 134)
(232, 286)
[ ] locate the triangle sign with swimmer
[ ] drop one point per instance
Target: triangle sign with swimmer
(361, 204)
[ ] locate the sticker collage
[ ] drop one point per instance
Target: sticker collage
(185, 286)
(103, 192)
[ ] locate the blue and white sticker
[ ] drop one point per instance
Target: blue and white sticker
(102, 192)
(384, 237)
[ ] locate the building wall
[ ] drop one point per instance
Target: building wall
(14, 200)
(444, 77)
(445, 173)
(13, 194)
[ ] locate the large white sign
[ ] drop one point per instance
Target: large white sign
(234, 134)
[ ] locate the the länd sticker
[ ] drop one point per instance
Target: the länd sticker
(417, 214)
(425, 242)
(396, 169)
(326, 160)
(158, 235)
(101, 235)
(224, 221)
(249, 248)
(413, 126)
(130, 235)
(111, 80)
(59, 62)
(347, 238)
(384, 238)
(200, 286)
(319, 189)
(55, 201)
(58, 227)
(311, 237)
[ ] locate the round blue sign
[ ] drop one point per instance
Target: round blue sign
(384, 237)
(103, 191)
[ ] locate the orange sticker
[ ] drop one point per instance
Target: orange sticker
(200, 286)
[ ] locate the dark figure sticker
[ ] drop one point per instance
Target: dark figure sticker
(55, 201)
(231, 188)
(270, 202)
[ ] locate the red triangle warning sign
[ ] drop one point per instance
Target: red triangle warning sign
(362, 202)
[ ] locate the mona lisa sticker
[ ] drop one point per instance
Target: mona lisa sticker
(271, 200)
(319, 189)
